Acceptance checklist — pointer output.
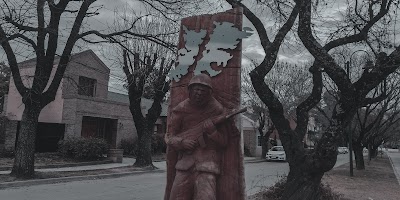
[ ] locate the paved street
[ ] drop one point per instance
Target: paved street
(148, 186)
(259, 175)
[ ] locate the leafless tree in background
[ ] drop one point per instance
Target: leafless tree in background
(146, 66)
(307, 169)
(35, 26)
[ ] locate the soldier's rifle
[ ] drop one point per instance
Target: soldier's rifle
(196, 133)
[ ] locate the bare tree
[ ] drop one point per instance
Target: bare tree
(383, 124)
(36, 26)
(393, 140)
(351, 95)
(257, 109)
(290, 90)
(307, 169)
(369, 117)
(146, 66)
(175, 10)
(4, 82)
(137, 71)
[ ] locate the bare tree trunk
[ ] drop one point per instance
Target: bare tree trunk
(264, 146)
(143, 157)
(265, 141)
(308, 168)
(373, 152)
(137, 72)
(306, 172)
(302, 185)
(358, 154)
(24, 162)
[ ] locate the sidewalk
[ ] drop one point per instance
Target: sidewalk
(161, 165)
(125, 162)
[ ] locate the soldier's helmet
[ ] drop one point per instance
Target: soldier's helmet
(202, 79)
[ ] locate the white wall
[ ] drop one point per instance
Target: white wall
(52, 113)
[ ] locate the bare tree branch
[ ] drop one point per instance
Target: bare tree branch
(12, 61)
(314, 98)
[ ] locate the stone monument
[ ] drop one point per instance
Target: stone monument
(204, 144)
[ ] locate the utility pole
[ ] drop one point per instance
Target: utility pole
(349, 132)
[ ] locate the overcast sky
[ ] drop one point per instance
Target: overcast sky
(291, 51)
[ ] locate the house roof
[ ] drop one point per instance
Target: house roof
(89, 52)
(146, 103)
(251, 116)
(118, 97)
(247, 122)
(247, 118)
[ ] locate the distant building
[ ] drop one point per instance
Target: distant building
(252, 138)
(83, 106)
(250, 134)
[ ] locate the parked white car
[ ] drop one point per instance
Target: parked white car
(276, 153)
(343, 150)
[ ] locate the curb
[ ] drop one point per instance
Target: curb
(255, 161)
(15, 184)
(64, 165)
(394, 168)
(72, 178)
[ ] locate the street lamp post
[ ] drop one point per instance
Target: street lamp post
(349, 132)
(368, 65)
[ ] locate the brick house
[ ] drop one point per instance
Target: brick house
(251, 136)
(83, 106)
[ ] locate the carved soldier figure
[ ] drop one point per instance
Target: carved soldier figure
(198, 141)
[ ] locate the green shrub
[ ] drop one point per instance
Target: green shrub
(129, 146)
(83, 148)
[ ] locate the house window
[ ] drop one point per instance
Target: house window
(87, 86)
(259, 140)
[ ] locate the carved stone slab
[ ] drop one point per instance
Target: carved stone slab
(226, 90)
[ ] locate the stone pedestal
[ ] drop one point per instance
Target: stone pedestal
(115, 155)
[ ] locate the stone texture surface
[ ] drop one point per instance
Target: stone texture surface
(226, 91)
